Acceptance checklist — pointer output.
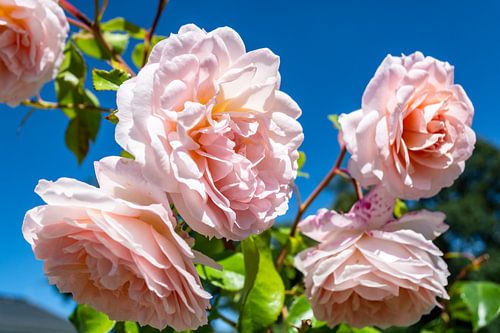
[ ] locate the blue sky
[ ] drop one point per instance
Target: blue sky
(329, 50)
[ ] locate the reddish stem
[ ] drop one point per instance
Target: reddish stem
(149, 35)
(75, 12)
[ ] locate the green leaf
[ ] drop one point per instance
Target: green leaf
(482, 300)
(81, 131)
(108, 80)
(149, 329)
(72, 62)
(214, 248)
(264, 293)
(88, 45)
(87, 320)
(400, 208)
(122, 25)
(299, 310)
(231, 278)
(138, 52)
(126, 154)
(85, 122)
(334, 118)
(126, 327)
(300, 162)
(344, 328)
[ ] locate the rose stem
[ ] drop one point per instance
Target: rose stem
(303, 207)
(149, 35)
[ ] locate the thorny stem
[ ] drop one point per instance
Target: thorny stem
(149, 35)
(45, 105)
(335, 170)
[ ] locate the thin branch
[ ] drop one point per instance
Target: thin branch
(297, 195)
(227, 320)
(335, 170)
(317, 190)
(103, 9)
(472, 266)
(149, 35)
(24, 120)
(75, 12)
(44, 105)
(79, 24)
(96, 11)
(95, 29)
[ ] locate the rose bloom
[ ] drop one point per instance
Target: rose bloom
(211, 127)
(32, 38)
(114, 249)
(413, 133)
(370, 269)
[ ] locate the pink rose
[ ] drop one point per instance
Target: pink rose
(32, 38)
(212, 129)
(372, 270)
(114, 249)
(413, 133)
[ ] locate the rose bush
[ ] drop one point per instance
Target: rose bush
(208, 122)
(210, 158)
(32, 39)
(116, 249)
(413, 132)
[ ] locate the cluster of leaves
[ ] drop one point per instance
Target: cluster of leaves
(80, 104)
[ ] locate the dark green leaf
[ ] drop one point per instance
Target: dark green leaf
(264, 293)
(214, 248)
(88, 45)
(87, 320)
(108, 80)
(70, 91)
(232, 276)
(121, 24)
(81, 131)
(73, 62)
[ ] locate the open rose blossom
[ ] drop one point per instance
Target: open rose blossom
(114, 250)
(413, 133)
(211, 127)
(32, 38)
(370, 269)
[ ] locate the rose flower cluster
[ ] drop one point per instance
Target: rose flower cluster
(213, 136)
(410, 139)
(215, 145)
